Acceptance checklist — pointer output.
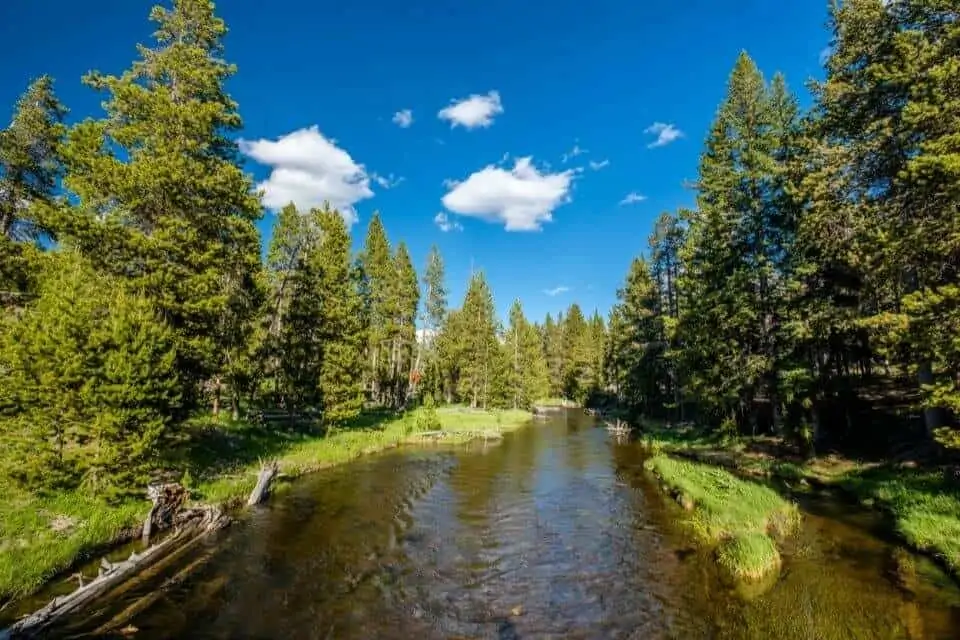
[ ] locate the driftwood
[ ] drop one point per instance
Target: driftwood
(268, 472)
(190, 525)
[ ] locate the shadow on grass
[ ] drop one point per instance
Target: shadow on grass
(207, 449)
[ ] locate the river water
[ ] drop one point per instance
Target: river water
(555, 532)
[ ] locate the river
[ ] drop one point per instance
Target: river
(555, 532)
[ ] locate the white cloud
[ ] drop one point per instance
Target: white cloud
(521, 198)
(443, 221)
(666, 133)
(573, 153)
(387, 182)
(450, 183)
(556, 291)
(633, 197)
(596, 166)
(309, 169)
(476, 111)
(403, 118)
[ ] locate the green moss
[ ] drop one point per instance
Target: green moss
(42, 536)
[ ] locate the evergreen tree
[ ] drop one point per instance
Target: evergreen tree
(29, 169)
(480, 348)
(575, 346)
(163, 202)
(339, 322)
(525, 378)
(432, 319)
(735, 250)
(89, 384)
(406, 292)
(381, 278)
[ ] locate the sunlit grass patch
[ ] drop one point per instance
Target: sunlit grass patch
(749, 556)
(925, 509)
(729, 512)
(41, 536)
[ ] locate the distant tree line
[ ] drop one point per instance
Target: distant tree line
(814, 290)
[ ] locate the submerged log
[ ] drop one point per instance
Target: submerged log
(190, 524)
(268, 472)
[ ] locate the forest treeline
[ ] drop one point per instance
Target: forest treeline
(813, 290)
(135, 296)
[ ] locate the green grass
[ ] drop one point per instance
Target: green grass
(749, 556)
(926, 512)
(924, 509)
(42, 536)
(730, 513)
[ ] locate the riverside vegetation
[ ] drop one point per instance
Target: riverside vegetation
(809, 300)
(804, 315)
(144, 339)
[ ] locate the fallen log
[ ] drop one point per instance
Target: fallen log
(190, 525)
(268, 472)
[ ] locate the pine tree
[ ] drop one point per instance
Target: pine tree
(29, 169)
(480, 348)
(553, 351)
(381, 278)
(406, 292)
(735, 250)
(300, 337)
(89, 384)
(637, 330)
(339, 322)
(163, 202)
(575, 346)
(432, 319)
(525, 377)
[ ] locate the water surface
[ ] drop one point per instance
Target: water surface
(556, 532)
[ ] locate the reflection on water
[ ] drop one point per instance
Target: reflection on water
(553, 533)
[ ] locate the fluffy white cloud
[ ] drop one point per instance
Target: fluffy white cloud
(556, 291)
(633, 197)
(573, 153)
(308, 170)
(443, 221)
(521, 198)
(476, 111)
(666, 133)
(403, 118)
(596, 166)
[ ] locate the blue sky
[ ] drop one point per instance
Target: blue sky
(488, 85)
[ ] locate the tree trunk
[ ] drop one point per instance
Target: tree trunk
(932, 416)
(216, 399)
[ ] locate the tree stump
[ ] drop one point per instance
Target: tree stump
(167, 501)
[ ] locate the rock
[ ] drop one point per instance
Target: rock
(517, 611)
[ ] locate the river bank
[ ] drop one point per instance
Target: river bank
(42, 536)
(922, 507)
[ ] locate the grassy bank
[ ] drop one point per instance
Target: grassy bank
(40, 536)
(924, 509)
(740, 518)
